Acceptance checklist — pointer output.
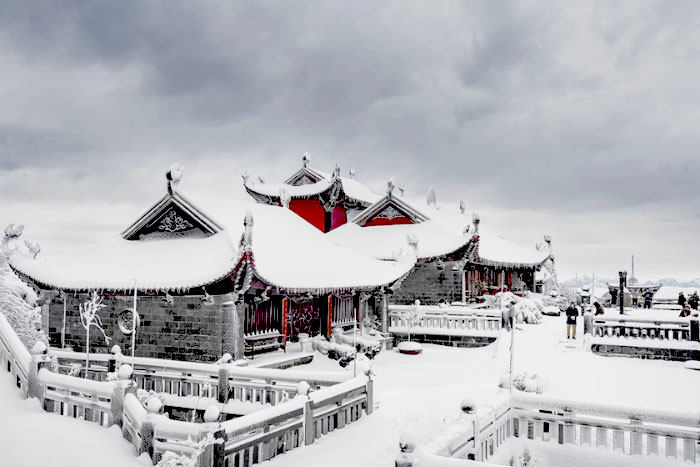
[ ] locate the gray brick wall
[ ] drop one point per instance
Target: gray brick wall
(429, 284)
(187, 329)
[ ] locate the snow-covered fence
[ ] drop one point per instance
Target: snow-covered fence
(14, 356)
(479, 432)
(77, 397)
(446, 321)
(260, 436)
(645, 337)
(227, 381)
(629, 430)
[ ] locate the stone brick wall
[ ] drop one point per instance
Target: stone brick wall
(188, 329)
(428, 283)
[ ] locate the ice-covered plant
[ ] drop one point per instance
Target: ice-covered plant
(89, 318)
(413, 316)
(171, 459)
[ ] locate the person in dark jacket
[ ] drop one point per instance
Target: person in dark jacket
(694, 300)
(598, 308)
(648, 296)
(685, 312)
(571, 314)
(681, 299)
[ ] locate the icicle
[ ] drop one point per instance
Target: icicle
(285, 197)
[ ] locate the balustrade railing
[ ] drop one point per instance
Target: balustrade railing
(526, 416)
(677, 330)
(328, 402)
(14, 357)
(446, 321)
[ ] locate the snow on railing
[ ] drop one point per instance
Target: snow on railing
(645, 337)
(263, 435)
(225, 381)
(630, 430)
(338, 399)
(14, 356)
(446, 321)
(77, 397)
(624, 429)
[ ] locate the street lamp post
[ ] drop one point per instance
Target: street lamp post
(623, 284)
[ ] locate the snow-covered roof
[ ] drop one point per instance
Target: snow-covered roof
(445, 231)
(286, 251)
(113, 264)
(316, 183)
(290, 253)
(668, 292)
(390, 241)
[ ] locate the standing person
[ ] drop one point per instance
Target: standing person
(598, 309)
(694, 300)
(681, 299)
(571, 314)
(648, 296)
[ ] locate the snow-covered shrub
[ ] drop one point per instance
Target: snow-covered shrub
(408, 441)
(369, 347)
(303, 388)
(212, 414)
(343, 353)
(525, 309)
(154, 405)
(39, 348)
(529, 382)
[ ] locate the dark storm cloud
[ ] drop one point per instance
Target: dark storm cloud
(520, 104)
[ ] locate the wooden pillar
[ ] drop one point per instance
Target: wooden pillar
(385, 311)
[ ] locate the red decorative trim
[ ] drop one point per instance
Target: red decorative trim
(285, 313)
(330, 316)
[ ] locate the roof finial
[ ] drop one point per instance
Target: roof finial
(462, 206)
(336, 172)
(390, 185)
(248, 224)
(245, 175)
(402, 189)
(306, 158)
(432, 197)
(475, 221)
(351, 172)
(174, 176)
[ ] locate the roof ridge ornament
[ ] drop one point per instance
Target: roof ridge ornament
(390, 185)
(336, 172)
(245, 175)
(402, 189)
(174, 176)
(351, 172)
(462, 206)
(306, 158)
(432, 197)
(476, 221)
(248, 224)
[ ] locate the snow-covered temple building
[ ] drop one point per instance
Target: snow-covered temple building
(457, 259)
(325, 200)
(201, 288)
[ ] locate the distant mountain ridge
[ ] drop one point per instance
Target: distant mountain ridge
(603, 282)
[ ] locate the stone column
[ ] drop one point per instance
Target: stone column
(385, 310)
(232, 324)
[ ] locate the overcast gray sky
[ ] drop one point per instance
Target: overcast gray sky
(576, 119)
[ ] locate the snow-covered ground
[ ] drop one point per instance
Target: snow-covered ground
(30, 437)
(421, 393)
